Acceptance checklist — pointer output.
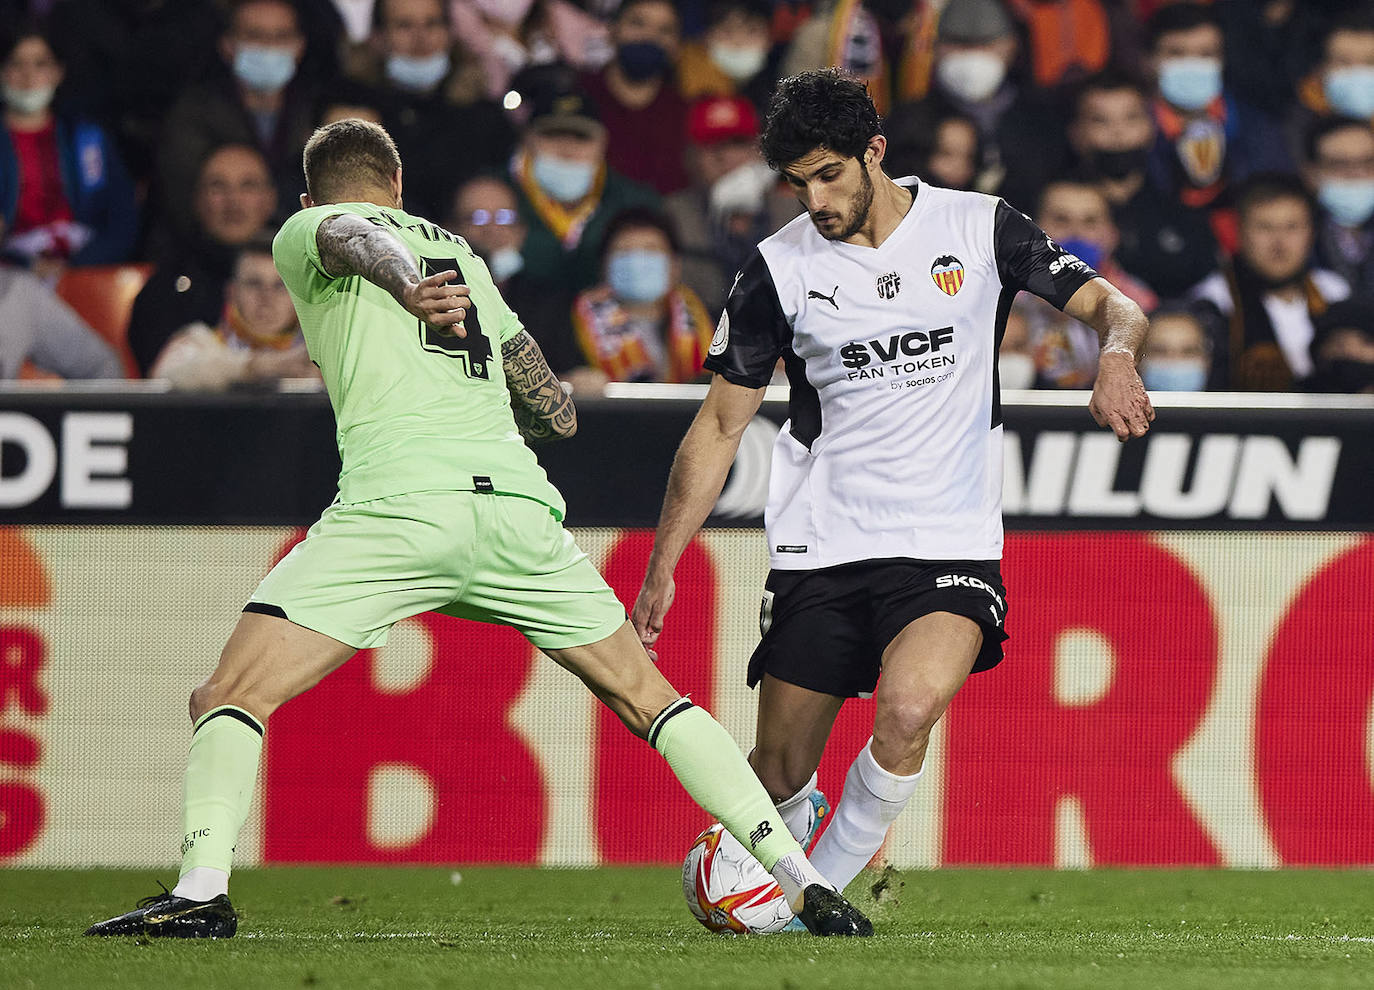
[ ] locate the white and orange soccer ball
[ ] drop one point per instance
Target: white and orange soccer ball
(728, 890)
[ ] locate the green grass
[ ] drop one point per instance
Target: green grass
(509, 929)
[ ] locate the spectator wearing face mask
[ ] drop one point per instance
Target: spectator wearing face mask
(486, 214)
(1178, 353)
(256, 340)
(1340, 170)
(233, 203)
(1165, 244)
(1342, 84)
(1015, 360)
(641, 324)
(433, 101)
(64, 195)
(568, 194)
(1020, 128)
(1264, 302)
(1206, 138)
(888, 44)
(257, 98)
(644, 115)
(511, 35)
(734, 56)
(731, 204)
(1343, 349)
(1077, 216)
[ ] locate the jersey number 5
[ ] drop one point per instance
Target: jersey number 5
(474, 349)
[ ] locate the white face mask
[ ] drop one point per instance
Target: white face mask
(740, 64)
(971, 76)
(504, 262)
(1015, 370)
(29, 101)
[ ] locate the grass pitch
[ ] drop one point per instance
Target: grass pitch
(511, 929)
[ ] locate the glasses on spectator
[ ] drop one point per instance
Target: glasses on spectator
(493, 218)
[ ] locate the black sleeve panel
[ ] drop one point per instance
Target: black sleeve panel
(756, 331)
(1028, 259)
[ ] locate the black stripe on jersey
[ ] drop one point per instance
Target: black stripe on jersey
(756, 329)
(803, 401)
(999, 330)
(1028, 259)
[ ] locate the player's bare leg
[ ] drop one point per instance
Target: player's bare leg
(923, 668)
(794, 724)
(711, 768)
(267, 662)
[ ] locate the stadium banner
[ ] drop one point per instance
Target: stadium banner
(1290, 463)
(1170, 697)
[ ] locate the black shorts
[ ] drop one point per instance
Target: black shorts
(826, 629)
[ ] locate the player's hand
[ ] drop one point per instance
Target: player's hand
(1119, 400)
(654, 600)
(432, 300)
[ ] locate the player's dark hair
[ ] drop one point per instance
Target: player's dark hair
(347, 154)
(1175, 17)
(1324, 127)
(1268, 187)
(637, 218)
(822, 108)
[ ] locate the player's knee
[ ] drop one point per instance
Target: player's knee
(905, 723)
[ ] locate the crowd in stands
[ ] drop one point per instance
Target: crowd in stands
(1214, 160)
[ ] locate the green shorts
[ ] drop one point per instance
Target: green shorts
(494, 558)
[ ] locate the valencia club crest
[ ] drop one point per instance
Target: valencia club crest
(948, 273)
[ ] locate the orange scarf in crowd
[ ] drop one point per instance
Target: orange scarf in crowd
(1200, 148)
(1072, 36)
(856, 45)
(566, 223)
(239, 337)
(611, 343)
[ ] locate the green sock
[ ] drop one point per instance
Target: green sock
(220, 771)
(717, 776)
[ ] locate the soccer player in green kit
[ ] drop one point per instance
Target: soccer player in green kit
(442, 506)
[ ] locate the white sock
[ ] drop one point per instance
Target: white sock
(797, 812)
(794, 873)
(202, 883)
(872, 800)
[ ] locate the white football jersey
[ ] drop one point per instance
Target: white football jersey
(893, 445)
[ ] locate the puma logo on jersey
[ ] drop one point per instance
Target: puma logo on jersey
(813, 294)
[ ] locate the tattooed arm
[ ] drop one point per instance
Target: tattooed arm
(350, 245)
(543, 411)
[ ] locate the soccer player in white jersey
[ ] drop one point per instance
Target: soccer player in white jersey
(886, 302)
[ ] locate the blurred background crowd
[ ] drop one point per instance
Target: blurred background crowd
(1215, 161)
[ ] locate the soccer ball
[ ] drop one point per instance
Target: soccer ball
(728, 890)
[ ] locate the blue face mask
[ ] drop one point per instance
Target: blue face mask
(419, 74)
(1350, 91)
(1089, 252)
(1190, 83)
(1349, 201)
(1173, 375)
(565, 181)
(262, 68)
(638, 276)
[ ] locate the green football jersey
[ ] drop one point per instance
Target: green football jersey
(416, 409)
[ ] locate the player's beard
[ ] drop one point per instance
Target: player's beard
(863, 203)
